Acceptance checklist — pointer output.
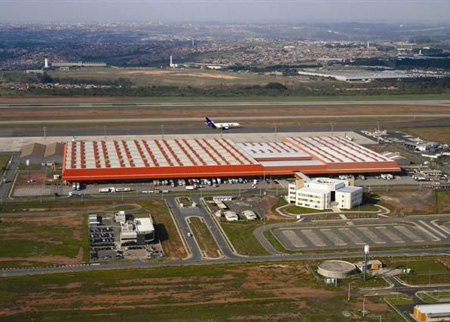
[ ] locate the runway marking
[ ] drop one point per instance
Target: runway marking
(313, 238)
(352, 236)
(432, 229)
(333, 237)
(293, 238)
(389, 234)
(408, 234)
(372, 236)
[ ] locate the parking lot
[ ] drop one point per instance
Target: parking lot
(385, 235)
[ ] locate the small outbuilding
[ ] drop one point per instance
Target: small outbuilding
(231, 216)
(249, 215)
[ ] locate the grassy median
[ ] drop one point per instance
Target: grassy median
(204, 237)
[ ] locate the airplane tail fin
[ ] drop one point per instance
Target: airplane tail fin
(210, 123)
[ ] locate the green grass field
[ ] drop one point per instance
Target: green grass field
(291, 98)
(426, 271)
(442, 201)
(46, 239)
(268, 234)
(3, 162)
(204, 237)
(241, 236)
(165, 227)
(434, 296)
(296, 210)
(435, 134)
(177, 77)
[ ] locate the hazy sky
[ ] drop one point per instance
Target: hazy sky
(242, 11)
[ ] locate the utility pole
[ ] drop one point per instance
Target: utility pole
(104, 131)
(45, 134)
(162, 131)
(348, 296)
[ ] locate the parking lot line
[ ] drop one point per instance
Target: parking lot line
(432, 229)
(408, 234)
(333, 237)
(441, 227)
(389, 234)
(293, 238)
(313, 238)
(372, 236)
(352, 236)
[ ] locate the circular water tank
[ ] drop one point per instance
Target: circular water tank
(336, 269)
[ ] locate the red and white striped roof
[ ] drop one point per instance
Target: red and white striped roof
(155, 153)
(335, 149)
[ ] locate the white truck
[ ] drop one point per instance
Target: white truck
(107, 190)
(125, 189)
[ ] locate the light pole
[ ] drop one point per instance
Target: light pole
(366, 255)
(276, 132)
(104, 130)
(45, 134)
(28, 170)
(162, 131)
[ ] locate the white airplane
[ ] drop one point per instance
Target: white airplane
(222, 126)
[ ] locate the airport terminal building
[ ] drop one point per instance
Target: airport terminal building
(217, 157)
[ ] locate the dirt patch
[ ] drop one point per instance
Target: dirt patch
(147, 72)
(272, 284)
(273, 215)
(207, 75)
(406, 202)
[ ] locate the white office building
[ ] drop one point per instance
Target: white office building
(324, 193)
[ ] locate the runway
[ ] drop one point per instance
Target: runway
(230, 104)
(156, 128)
(228, 118)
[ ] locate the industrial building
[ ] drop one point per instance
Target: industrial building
(33, 152)
(324, 193)
(37, 153)
(201, 158)
(360, 75)
(78, 64)
(432, 312)
(136, 231)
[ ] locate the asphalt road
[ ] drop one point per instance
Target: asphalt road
(155, 128)
(235, 259)
(181, 214)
